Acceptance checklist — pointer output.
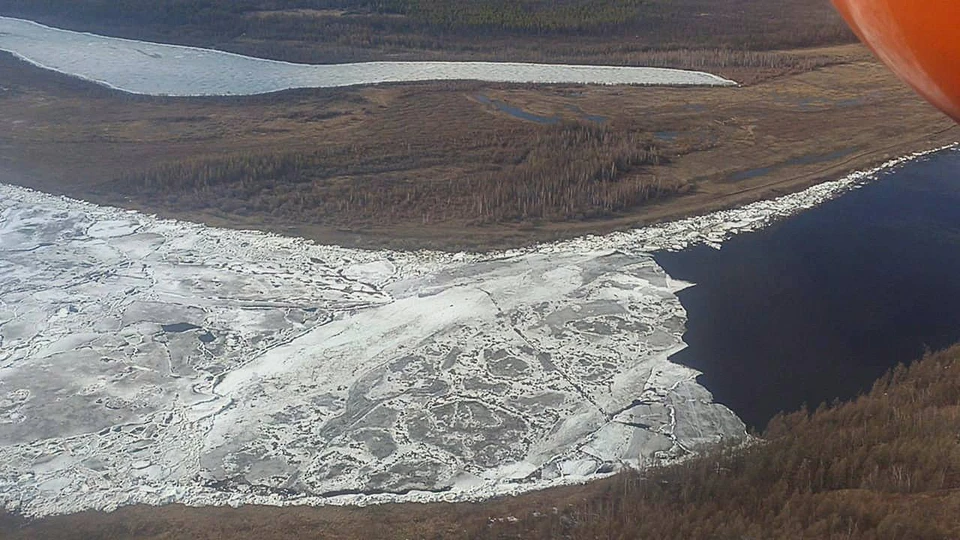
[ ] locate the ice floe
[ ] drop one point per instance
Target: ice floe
(159, 69)
(144, 360)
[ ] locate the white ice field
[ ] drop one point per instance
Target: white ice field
(152, 68)
(152, 361)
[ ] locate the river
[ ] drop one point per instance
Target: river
(818, 306)
(159, 69)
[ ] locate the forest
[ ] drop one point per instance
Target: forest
(341, 30)
(885, 465)
(574, 170)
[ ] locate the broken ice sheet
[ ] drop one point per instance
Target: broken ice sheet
(154, 361)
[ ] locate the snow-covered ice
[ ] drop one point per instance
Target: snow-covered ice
(159, 69)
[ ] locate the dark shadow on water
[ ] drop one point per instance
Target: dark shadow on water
(819, 306)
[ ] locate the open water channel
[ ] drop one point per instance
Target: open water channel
(818, 306)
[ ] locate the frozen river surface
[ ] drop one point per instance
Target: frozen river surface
(157, 69)
(152, 361)
(144, 360)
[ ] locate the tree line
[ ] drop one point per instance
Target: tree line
(573, 170)
(655, 24)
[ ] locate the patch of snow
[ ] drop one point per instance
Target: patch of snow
(160, 69)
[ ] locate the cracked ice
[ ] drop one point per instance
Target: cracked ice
(144, 360)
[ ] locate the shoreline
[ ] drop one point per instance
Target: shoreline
(711, 228)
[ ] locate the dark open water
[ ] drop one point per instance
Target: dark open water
(819, 306)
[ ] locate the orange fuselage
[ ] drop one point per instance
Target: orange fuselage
(918, 39)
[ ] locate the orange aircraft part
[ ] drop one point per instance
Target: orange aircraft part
(918, 39)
